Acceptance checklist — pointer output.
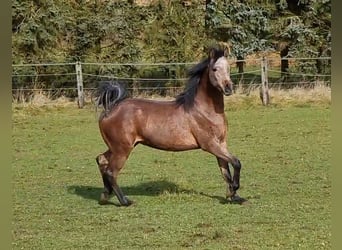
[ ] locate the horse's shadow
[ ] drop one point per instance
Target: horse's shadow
(151, 188)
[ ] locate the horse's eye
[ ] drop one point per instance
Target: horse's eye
(214, 69)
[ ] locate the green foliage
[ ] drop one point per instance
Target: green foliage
(175, 34)
(167, 31)
(164, 31)
(244, 25)
(35, 27)
(305, 28)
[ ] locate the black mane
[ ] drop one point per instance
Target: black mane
(187, 97)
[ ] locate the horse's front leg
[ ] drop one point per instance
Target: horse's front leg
(225, 158)
(224, 167)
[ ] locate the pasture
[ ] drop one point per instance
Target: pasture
(179, 197)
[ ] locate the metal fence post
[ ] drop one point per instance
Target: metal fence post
(80, 93)
(264, 95)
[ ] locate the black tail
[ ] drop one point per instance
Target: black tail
(110, 93)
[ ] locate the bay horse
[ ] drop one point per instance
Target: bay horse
(194, 120)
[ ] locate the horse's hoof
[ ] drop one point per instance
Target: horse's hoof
(104, 199)
(238, 200)
(127, 203)
(229, 195)
(235, 198)
(104, 202)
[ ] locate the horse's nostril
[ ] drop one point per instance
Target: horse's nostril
(227, 90)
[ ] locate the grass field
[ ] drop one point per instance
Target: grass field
(179, 197)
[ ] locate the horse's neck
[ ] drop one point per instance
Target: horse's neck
(208, 97)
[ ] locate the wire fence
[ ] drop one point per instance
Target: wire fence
(77, 79)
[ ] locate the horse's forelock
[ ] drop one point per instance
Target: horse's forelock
(215, 54)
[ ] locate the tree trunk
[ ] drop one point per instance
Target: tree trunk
(284, 66)
(240, 64)
(319, 63)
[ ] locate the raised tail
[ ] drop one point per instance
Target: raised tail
(109, 94)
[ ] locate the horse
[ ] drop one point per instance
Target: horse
(195, 119)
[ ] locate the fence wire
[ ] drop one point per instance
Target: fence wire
(164, 79)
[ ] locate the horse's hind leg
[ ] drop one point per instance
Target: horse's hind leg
(110, 165)
(103, 162)
(116, 163)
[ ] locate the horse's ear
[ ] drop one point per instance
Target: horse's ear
(212, 53)
(226, 51)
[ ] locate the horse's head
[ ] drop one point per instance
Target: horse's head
(219, 71)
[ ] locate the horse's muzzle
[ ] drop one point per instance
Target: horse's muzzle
(227, 90)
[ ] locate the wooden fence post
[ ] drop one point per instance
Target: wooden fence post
(78, 68)
(264, 95)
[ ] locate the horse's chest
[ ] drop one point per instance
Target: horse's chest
(213, 127)
(217, 130)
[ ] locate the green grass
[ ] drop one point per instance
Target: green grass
(285, 152)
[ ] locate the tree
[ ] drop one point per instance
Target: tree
(35, 26)
(302, 28)
(175, 34)
(169, 31)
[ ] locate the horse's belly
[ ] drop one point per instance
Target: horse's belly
(174, 146)
(169, 139)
